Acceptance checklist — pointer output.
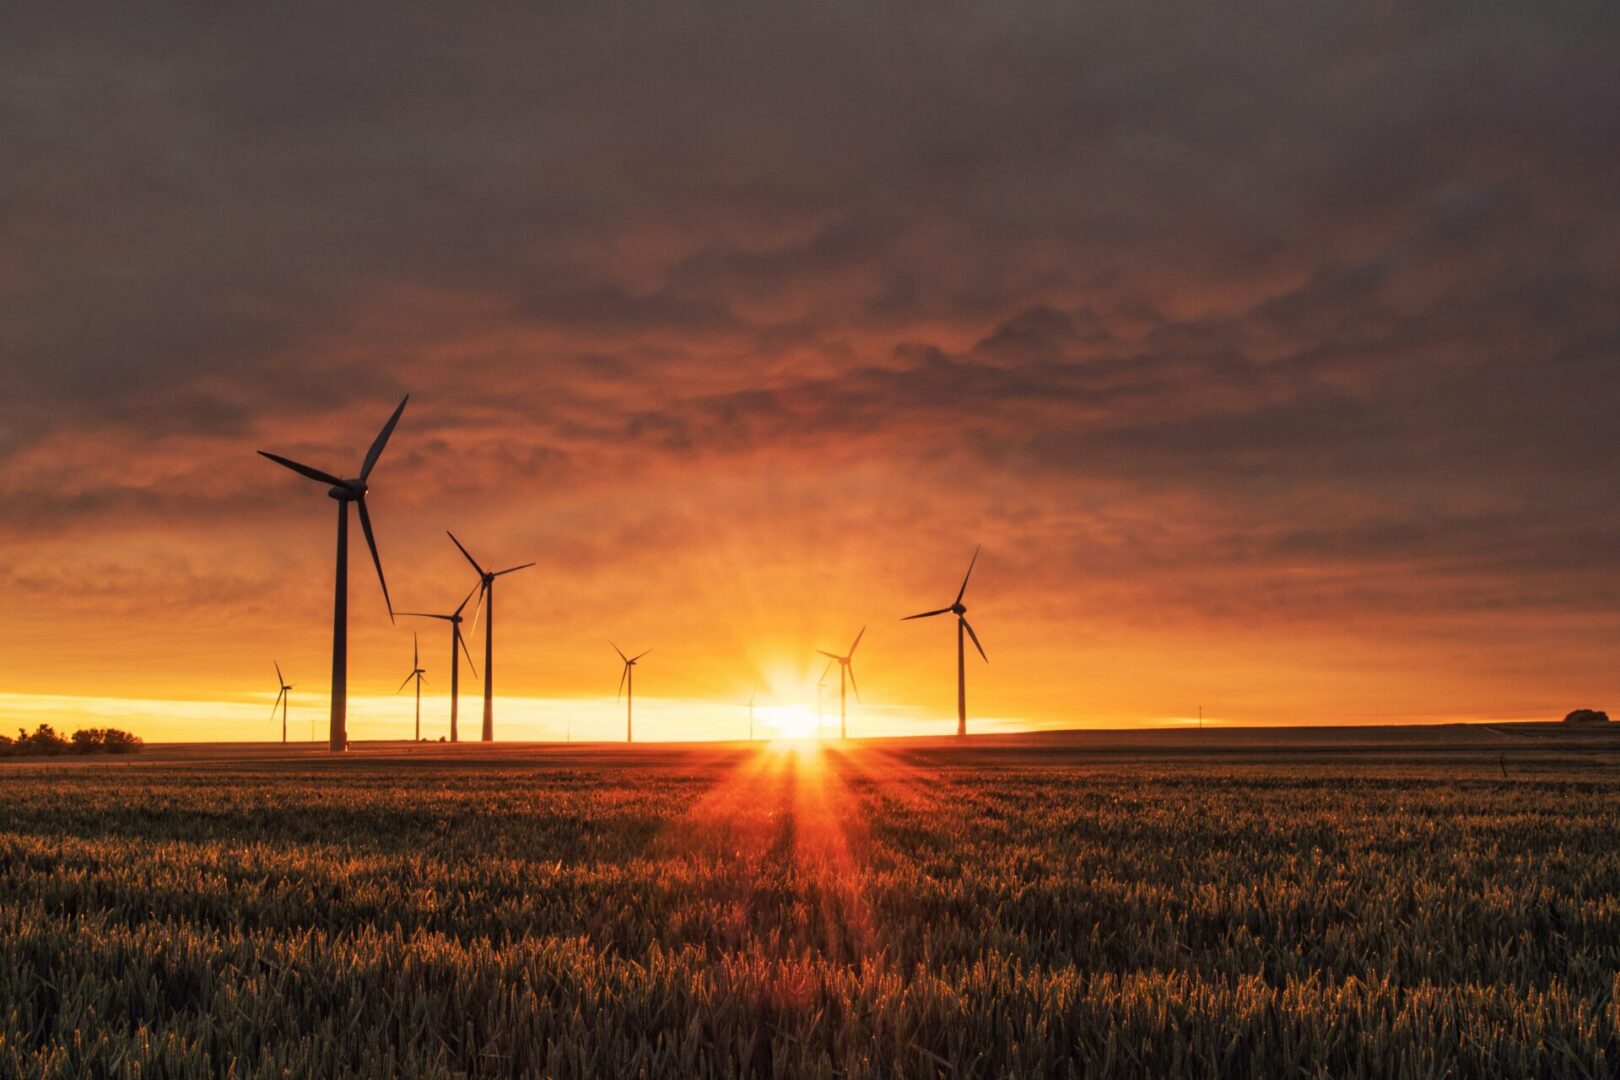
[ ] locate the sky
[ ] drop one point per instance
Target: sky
(1269, 350)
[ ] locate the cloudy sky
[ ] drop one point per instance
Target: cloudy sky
(1270, 350)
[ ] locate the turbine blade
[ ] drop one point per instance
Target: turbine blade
(853, 684)
(425, 615)
(277, 704)
(639, 655)
(303, 470)
(382, 439)
(623, 675)
(824, 652)
(857, 641)
(513, 569)
(371, 542)
(281, 680)
(465, 552)
(406, 683)
(479, 610)
(620, 651)
(467, 651)
(416, 654)
(927, 614)
(975, 638)
(963, 590)
(828, 672)
(464, 602)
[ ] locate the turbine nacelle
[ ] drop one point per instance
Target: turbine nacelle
(958, 609)
(348, 490)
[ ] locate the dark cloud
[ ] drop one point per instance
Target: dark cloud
(1338, 284)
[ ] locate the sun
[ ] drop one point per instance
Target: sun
(791, 721)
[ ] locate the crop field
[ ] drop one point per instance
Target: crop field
(1202, 904)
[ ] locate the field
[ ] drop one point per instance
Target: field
(1346, 903)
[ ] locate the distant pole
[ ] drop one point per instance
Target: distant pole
(419, 708)
(569, 736)
(1200, 718)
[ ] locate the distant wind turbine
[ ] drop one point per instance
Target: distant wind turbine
(751, 694)
(346, 492)
(281, 699)
(627, 689)
(456, 638)
(486, 604)
(960, 611)
(417, 671)
(844, 669)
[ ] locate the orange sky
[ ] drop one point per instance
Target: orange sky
(1272, 361)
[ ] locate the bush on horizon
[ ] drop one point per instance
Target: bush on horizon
(46, 742)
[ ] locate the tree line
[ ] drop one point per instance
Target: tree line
(45, 741)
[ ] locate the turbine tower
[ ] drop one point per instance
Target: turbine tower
(486, 604)
(627, 682)
(281, 700)
(346, 492)
(844, 669)
(751, 694)
(417, 671)
(959, 609)
(456, 638)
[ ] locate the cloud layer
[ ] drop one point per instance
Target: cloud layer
(1271, 352)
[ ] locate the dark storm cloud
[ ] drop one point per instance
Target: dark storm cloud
(1352, 263)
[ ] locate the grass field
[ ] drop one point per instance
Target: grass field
(1265, 904)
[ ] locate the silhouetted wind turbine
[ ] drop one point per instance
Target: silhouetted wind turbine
(486, 603)
(627, 682)
(456, 638)
(844, 669)
(417, 671)
(960, 611)
(281, 699)
(346, 492)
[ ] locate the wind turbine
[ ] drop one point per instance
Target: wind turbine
(456, 638)
(627, 681)
(417, 671)
(959, 609)
(844, 669)
(751, 694)
(486, 603)
(346, 492)
(281, 699)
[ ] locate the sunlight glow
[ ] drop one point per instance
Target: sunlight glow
(791, 721)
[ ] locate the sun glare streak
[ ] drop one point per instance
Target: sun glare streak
(777, 843)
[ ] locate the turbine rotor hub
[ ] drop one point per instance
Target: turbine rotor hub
(959, 609)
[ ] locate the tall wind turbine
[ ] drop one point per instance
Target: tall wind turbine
(346, 492)
(456, 638)
(281, 699)
(959, 609)
(844, 669)
(417, 671)
(486, 604)
(627, 682)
